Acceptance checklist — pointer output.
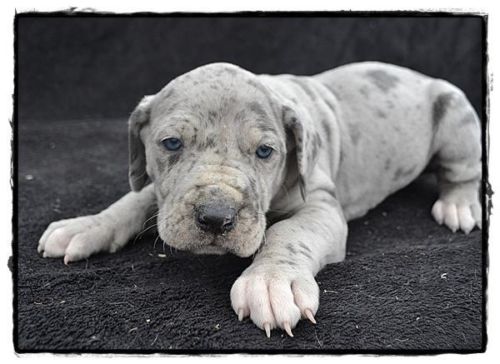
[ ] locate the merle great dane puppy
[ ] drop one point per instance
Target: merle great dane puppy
(275, 165)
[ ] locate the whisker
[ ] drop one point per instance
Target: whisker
(146, 229)
(154, 244)
(138, 235)
(152, 217)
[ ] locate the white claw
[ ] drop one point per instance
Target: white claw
(267, 328)
(308, 313)
(437, 212)
(241, 314)
(288, 329)
(451, 217)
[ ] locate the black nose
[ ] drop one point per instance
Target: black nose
(215, 218)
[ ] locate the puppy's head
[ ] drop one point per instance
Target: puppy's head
(214, 143)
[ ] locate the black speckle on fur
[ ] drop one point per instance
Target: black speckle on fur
(172, 107)
(469, 119)
(382, 79)
(328, 131)
(170, 93)
(305, 250)
(256, 108)
(381, 114)
(305, 247)
(342, 157)
(230, 70)
(403, 173)
(210, 142)
(364, 91)
(241, 116)
(258, 86)
(387, 164)
(212, 116)
(173, 159)
(440, 106)
(253, 185)
(287, 262)
(191, 165)
(355, 133)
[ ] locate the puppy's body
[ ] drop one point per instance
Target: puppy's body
(341, 142)
(380, 126)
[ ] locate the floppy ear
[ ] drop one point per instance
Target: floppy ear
(137, 175)
(307, 142)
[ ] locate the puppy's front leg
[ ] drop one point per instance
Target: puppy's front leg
(279, 286)
(78, 238)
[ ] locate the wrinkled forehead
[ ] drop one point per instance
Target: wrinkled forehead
(217, 97)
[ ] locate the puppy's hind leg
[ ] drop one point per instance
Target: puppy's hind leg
(457, 151)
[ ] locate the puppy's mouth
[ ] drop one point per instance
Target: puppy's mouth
(209, 249)
(214, 247)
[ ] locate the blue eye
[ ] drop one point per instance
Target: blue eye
(172, 144)
(264, 151)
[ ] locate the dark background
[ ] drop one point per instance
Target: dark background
(406, 284)
(100, 67)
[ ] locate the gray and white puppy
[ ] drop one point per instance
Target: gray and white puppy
(228, 152)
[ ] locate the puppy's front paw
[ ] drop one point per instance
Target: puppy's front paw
(463, 216)
(275, 296)
(77, 238)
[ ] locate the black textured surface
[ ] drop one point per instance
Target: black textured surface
(100, 67)
(407, 283)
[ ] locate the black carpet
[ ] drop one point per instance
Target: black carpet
(407, 283)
